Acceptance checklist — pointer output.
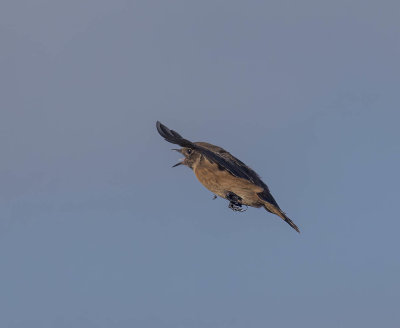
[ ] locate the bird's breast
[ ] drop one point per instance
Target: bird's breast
(220, 182)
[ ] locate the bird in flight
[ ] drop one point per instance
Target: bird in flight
(224, 175)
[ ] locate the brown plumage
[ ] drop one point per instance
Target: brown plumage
(224, 175)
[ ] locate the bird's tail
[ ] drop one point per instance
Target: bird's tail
(276, 210)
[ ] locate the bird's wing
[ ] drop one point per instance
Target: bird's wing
(173, 136)
(227, 164)
(223, 159)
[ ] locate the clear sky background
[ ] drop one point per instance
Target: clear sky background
(97, 230)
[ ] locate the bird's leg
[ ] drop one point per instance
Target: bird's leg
(235, 207)
(233, 198)
(234, 202)
(214, 197)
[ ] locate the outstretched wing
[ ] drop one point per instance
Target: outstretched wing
(225, 163)
(223, 159)
(173, 136)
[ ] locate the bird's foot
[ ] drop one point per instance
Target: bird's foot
(235, 202)
(237, 207)
(233, 198)
(214, 197)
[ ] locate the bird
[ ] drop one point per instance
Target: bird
(224, 175)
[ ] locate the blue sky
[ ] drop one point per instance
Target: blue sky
(97, 230)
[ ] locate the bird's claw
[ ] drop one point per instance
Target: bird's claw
(237, 207)
(214, 197)
(234, 202)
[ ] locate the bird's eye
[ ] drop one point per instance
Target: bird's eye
(189, 151)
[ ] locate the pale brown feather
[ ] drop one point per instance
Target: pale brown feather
(220, 182)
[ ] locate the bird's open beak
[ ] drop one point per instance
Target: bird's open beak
(177, 164)
(179, 151)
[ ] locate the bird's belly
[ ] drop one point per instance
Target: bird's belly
(220, 182)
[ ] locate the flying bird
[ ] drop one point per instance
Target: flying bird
(224, 175)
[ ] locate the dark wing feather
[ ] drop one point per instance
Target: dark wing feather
(227, 164)
(173, 136)
(224, 159)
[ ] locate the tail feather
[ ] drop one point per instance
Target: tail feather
(276, 210)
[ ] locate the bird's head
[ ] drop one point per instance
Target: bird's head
(189, 149)
(191, 157)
